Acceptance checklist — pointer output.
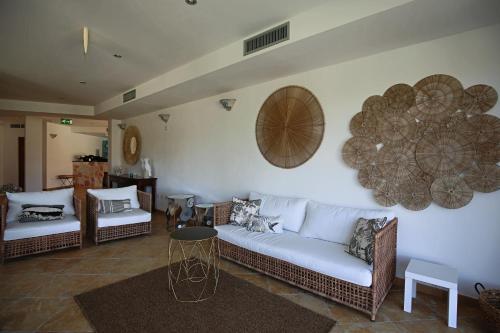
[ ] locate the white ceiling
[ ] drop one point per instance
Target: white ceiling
(42, 59)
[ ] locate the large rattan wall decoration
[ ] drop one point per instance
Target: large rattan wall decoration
(289, 127)
(430, 142)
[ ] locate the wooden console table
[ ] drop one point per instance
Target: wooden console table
(142, 183)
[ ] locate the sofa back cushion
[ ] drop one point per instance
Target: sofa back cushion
(118, 193)
(291, 210)
(56, 197)
(334, 223)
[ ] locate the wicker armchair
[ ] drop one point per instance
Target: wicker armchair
(32, 245)
(102, 233)
(364, 299)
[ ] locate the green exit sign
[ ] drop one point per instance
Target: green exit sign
(66, 121)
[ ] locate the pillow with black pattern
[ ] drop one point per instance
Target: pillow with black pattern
(114, 206)
(41, 213)
(262, 223)
(361, 244)
(242, 210)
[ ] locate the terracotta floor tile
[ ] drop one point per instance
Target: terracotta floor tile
(309, 301)
(366, 328)
(21, 285)
(92, 266)
(30, 265)
(28, 313)
(68, 318)
(256, 279)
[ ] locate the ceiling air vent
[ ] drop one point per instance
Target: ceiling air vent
(268, 38)
(16, 125)
(128, 96)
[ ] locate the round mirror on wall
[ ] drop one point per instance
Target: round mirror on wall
(132, 145)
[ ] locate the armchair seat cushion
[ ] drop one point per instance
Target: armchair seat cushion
(16, 230)
(317, 255)
(135, 215)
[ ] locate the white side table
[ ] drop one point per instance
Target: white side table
(438, 275)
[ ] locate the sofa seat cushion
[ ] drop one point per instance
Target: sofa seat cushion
(317, 255)
(17, 230)
(126, 217)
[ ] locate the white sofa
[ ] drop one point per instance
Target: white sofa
(19, 239)
(310, 252)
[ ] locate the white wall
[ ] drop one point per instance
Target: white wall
(62, 149)
(213, 153)
(115, 143)
(9, 153)
(33, 154)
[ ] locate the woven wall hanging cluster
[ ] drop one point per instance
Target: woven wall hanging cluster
(430, 142)
(289, 127)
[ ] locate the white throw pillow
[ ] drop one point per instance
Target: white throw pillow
(334, 223)
(56, 197)
(118, 193)
(291, 210)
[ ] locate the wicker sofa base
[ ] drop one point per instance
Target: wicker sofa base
(350, 294)
(33, 245)
(122, 231)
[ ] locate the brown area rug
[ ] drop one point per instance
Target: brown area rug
(144, 304)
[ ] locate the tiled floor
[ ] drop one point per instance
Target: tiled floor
(36, 292)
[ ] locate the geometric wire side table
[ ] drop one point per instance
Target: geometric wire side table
(195, 277)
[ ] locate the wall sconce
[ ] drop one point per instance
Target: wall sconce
(122, 126)
(85, 40)
(53, 135)
(164, 117)
(227, 103)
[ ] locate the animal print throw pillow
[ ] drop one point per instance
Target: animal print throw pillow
(261, 223)
(41, 213)
(242, 210)
(361, 244)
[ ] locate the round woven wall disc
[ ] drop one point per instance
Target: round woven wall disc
(414, 196)
(359, 152)
(487, 152)
(375, 105)
(370, 176)
(482, 128)
(364, 124)
(132, 145)
(444, 154)
(396, 128)
(483, 178)
(400, 97)
(451, 192)
(479, 99)
(437, 96)
(289, 127)
(397, 162)
(421, 177)
(386, 194)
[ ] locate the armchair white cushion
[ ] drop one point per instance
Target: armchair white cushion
(56, 197)
(291, 210)
(119, 193)
(17, 230)
(135, 215)
(334, 223)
